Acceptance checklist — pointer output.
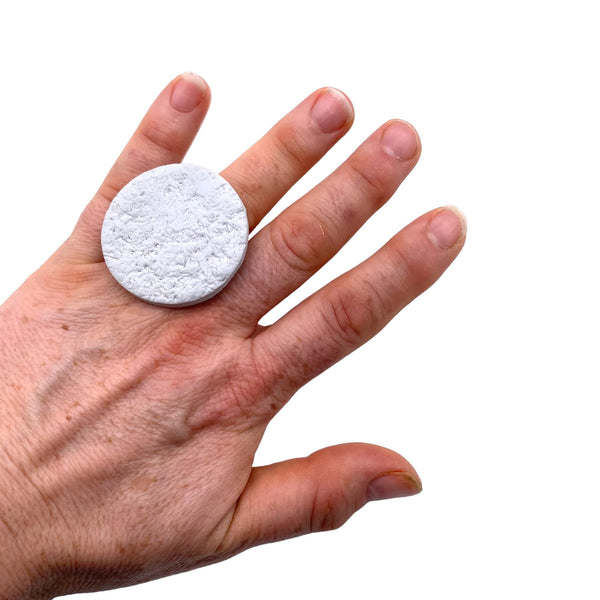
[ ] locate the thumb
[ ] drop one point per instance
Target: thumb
(317, 493)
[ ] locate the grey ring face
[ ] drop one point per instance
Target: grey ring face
(175, 235)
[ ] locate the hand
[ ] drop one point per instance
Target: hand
(128, 430)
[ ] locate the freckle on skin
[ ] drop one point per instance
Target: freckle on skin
(65, 327)
(143, 482)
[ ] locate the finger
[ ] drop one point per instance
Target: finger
(263, 174)
(353, 308)
(318, 493)
(304, 237)
(163, 137)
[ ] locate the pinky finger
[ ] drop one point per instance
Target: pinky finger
(346, 313)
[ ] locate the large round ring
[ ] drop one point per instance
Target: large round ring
(175, 235)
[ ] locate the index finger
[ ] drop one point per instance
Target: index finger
(163, 137)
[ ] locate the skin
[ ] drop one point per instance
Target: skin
(128, 430)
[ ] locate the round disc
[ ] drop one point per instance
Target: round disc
(175, 235)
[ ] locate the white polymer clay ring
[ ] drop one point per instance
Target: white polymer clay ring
(175, 235)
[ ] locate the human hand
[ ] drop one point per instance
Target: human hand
(129, 430)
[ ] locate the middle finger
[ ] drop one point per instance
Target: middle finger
(265, 172)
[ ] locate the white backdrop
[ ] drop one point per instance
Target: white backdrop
(488, 383)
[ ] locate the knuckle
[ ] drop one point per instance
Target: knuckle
(329, 511)
(159, 137)
(371, 182)
(243, 400)
(189, 334)
(291, 146)
(353, 318)
(405, 270)
(235, 393)
(300, 240)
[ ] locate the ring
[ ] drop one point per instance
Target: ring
(175, 235)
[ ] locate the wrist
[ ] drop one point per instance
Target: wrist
(22, 553)
(16, 577)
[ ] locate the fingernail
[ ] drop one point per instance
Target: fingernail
(188, 92)
(447, 227)
(396, 484)
(332, 110)
(401, 140)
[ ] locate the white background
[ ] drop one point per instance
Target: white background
(488, 382)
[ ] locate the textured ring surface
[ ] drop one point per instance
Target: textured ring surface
(175, 235)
